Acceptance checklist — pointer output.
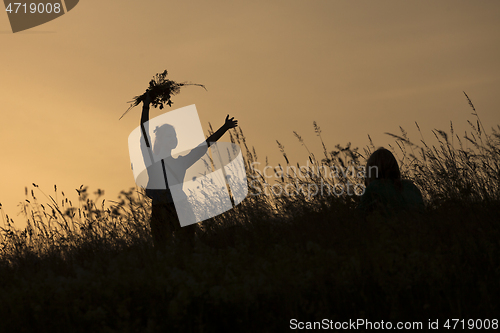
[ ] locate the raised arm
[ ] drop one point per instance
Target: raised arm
(228, 124)
(145, 118)
(196, 153)
(146, 149)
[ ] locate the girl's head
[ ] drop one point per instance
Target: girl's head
(165, 140)
(382, 165)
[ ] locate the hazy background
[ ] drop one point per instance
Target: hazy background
(355, 67)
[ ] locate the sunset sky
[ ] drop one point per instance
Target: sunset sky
(355, 67)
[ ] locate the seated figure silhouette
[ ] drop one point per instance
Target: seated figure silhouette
(164, 220)
(385, 191)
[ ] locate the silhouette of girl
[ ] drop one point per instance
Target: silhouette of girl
(385, 190)
(164, 220)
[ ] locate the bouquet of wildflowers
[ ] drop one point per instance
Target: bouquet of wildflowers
(161, 91)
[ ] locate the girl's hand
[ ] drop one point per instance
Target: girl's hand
(147, 98)
(230, 122)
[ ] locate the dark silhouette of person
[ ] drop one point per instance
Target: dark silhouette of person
(385, 191)
(164, 220)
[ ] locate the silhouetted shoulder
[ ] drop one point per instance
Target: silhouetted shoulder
(385, 196)
(412, 196)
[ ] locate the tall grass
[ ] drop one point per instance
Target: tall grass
(60, 227)
(91, 266)
(459, 168)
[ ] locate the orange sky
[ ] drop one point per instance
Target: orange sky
(355, 67)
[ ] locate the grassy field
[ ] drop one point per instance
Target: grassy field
(90, 266)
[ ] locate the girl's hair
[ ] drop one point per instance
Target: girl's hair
(164, 129)
(382, 165)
